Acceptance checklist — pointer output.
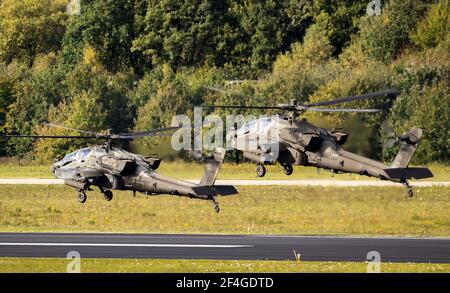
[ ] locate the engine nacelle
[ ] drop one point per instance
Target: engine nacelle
(298, 138)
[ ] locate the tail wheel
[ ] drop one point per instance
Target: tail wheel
(260, 170)
(82, 197)
(108, 195)
(410, 193)
(288, 169)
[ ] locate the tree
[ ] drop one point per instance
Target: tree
(34, 91)
(339, 19)
(384, 36)
(30, 27)
(180, 33)
(6, 99)
(107, 26)
(429, 109)
(97, 100)
(176, 93)
(435, 27)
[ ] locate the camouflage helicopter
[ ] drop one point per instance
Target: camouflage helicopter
(299, 142)
(110, 167)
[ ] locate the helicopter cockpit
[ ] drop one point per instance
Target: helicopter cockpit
(79, 155)
(256, 126)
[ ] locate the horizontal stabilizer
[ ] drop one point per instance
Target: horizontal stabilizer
(408, 173)
(216, 190)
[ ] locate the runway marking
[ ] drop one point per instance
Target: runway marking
(123, 245)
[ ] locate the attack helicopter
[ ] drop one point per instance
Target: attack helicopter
(299, 142)
(110, 167)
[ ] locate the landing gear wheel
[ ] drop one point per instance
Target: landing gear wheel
(260, 170)
(82, 197)
(409, 188)
(288, 169)
(108, 195)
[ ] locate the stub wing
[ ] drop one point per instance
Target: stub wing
(222, 190)
(408, 173)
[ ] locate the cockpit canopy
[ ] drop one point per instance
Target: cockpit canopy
(259, 126)
(79, 155)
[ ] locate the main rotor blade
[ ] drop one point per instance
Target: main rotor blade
(387, 93)
(51, 136)
(68, 128)
(150, 132)
(343, 110)
(240, 107)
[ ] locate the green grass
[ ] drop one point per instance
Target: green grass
(57, 265)
(256, 210)
(228, 171)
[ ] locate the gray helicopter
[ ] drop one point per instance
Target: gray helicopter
(110, 167)
(298, 142)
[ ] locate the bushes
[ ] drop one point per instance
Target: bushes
(30, 27)
(427, 108)
(171, 94)
(134, 64)
(386, 35)
(435, 27)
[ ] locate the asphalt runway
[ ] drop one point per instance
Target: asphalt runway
(236, 247)
(261, 182)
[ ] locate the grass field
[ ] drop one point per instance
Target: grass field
(58, 265)
(13, 169)
(256, 210)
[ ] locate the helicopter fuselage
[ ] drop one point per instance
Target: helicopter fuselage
(273, 139)
(117, 169)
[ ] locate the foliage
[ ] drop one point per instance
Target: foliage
(434, 27)
(107, 26)
(34, 92)
(176, 93)
(386, 35)
(133, 64)
(30, 27)
(99, 101)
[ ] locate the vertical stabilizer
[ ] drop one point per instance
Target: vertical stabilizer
(212, 165)
(408, 145)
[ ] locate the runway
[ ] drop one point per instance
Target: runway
(235, 247)
(294, 182)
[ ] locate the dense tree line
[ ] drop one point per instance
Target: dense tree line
(132, 64)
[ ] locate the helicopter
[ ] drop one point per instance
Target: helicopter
(110, 167)
(299, 142)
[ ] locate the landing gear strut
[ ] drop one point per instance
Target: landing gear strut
(409, 188)
(82, 197)
(215, 204)
(260, 170)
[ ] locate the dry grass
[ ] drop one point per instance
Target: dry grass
(55, 265)
(12, 169)
(257, 210)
